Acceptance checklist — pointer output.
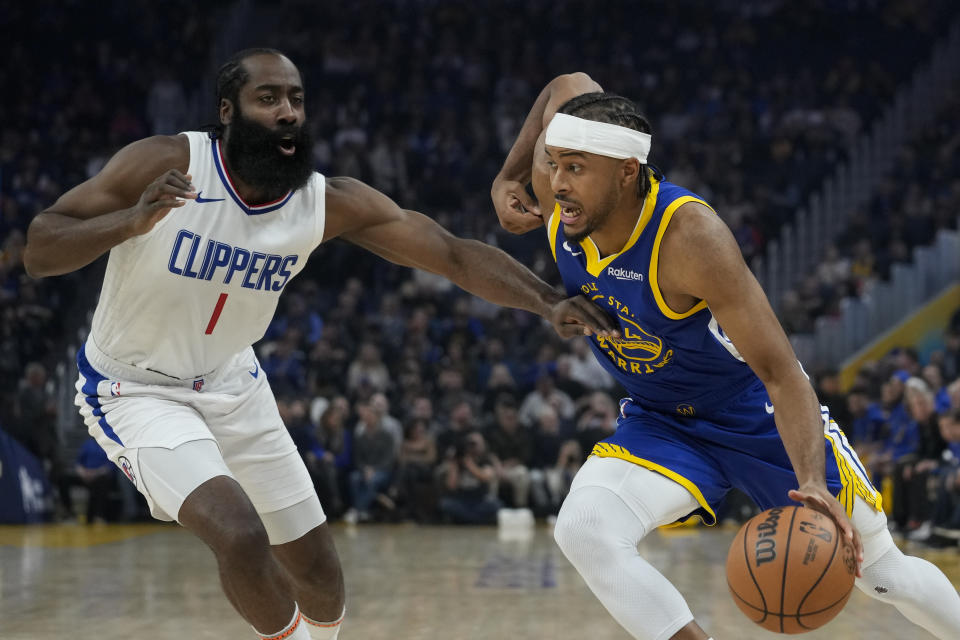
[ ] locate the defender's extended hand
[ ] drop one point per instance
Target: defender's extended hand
(577, 316)
(518, 212)
(819, 499)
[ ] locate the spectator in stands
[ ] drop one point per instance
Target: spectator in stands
(470, 483)
(418, 457)
(597, 419)
(368, 370)
(511, 443)
(545, 394)
(946, 509)
(911, 504)
(374, 458)
(555, 461)
(867, 423)
(332, 459)
(98, 475)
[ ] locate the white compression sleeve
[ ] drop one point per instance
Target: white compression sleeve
(599, 532)
(917, 588)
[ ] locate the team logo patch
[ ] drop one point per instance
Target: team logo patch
(127, 467)
(686, 410)
(198, 384)
(114, 388)
(638, 351)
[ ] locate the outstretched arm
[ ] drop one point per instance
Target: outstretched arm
(700, 260)
(518, 213)
(366, 217)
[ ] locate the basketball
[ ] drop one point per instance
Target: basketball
(789, 571)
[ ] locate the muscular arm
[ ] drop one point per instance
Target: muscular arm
(366, 217)
(514, 207)
(700, 260)
(95, 216)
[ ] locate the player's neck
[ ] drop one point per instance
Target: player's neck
(617, 228)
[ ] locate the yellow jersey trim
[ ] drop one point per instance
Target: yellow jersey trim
(655, 259)
(553, 226)
(607, 450)
(596, 264)
(853, 484)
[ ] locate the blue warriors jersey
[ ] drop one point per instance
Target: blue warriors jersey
(671, 362)
(696, 413)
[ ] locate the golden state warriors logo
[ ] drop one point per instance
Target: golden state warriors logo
(638, 351)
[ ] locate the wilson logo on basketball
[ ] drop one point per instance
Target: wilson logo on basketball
(765, 548)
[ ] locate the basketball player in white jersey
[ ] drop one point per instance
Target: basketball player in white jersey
(204, 232)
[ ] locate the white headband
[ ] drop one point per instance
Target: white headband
(601, 138)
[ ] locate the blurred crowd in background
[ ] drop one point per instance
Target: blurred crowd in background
(408, 398)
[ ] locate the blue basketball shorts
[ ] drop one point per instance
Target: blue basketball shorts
(738, 446)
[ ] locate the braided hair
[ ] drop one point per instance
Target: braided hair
(230, 79)
(612, 109)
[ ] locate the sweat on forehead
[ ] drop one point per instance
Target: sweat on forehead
(601, 138)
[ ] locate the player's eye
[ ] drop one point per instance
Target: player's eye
(575, 168)
(297, 99)
(267, 99)
(551, 164)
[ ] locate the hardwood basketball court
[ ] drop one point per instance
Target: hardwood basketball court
(404, 582)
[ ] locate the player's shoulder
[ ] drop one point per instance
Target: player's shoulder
(352, 205)
(349, 195)
(157, 154)
(343, 187)
(696, 226)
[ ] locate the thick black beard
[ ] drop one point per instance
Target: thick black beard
(253, 156)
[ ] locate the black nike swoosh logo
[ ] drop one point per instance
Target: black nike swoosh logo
(202, 200)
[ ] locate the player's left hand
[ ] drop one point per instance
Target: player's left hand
(819, 499)
(577, 316)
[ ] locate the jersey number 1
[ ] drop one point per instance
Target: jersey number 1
(216, 313)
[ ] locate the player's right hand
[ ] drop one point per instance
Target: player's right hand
(167, 192)
(518, 212)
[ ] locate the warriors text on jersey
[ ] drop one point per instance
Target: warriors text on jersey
(204, 282)
(668, 361)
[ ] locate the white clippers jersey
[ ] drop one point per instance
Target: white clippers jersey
(204, 282)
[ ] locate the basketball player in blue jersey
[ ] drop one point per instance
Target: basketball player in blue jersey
(717, 397)
(204, 232)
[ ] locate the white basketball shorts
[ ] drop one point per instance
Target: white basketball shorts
(128, 408)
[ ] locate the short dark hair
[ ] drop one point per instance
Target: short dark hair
(232, 76)
(612, 109)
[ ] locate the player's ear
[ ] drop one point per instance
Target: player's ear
(226, 111)
(629, 171)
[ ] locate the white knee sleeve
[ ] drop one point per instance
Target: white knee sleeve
(599, 532)
(917, 588)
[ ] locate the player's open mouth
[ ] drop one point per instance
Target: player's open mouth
(570, 215)
(287, 146)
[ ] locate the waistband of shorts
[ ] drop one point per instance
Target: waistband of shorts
(703, 404)
(114, 369)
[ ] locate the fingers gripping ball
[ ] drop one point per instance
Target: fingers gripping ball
(789, 570)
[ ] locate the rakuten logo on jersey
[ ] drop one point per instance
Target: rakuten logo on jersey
(624, 274)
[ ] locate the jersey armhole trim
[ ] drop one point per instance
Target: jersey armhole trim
(655, 259)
